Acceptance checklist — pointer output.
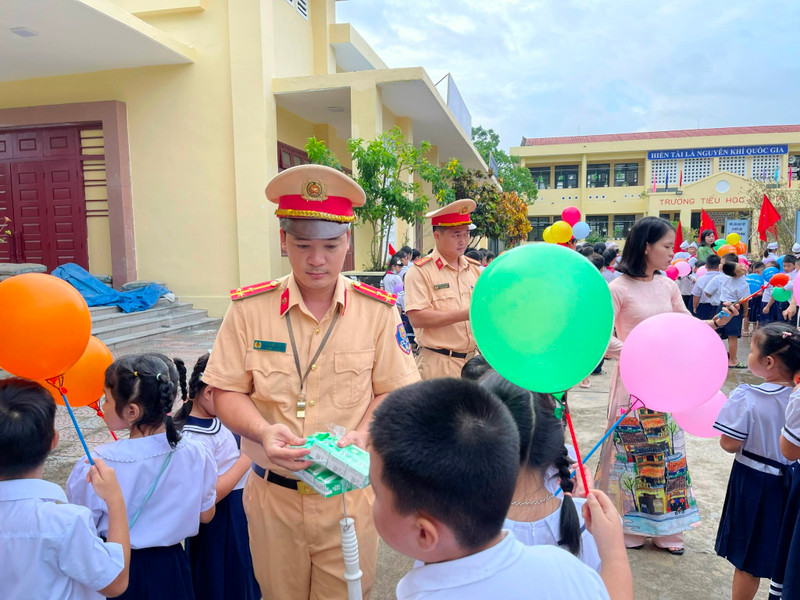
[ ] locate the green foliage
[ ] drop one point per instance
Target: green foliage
(384, 168)
(785, 200)
(5, 230)
(511, 175)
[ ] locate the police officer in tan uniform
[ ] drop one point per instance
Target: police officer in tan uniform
(294, 355)
(438, 293)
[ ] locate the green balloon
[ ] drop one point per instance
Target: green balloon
(719, 243)
(542, 316)
(781, 295)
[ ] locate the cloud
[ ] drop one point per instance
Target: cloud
(538, 68)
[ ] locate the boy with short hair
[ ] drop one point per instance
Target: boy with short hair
(731, 288)
(50, 549)
(444, 463)
(703, 306)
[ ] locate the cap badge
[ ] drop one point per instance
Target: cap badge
(463, 210)
(314, 191)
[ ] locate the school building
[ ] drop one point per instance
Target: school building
(610, 178)
(137, 136)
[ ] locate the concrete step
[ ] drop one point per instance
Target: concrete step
(120, 341)
(146, 322)
(121, 319)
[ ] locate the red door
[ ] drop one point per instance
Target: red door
(44, 198)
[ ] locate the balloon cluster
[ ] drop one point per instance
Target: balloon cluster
(570, 226)
(731, 244)
(46, 335)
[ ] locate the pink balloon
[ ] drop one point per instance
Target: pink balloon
(743, 260)
(672, 272)
(683, 268)
(571, 215)
(796, 293)
(700, 420)
(701, 271)
(666, 380)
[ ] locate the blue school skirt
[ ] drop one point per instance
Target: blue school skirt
(751, 519)
(754, 309)
(219, 555)
(705, 312)
(771, 316)
(786, 572)
(732, 328)
(160, 573)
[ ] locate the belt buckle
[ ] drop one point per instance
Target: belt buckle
(304, 489)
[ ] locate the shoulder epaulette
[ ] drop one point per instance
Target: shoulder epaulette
(375, 293)
(423, 261)
(254, 290)
(477, 263)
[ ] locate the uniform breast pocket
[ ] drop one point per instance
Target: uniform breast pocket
(445, 299)
(352, 378)
(272, 376)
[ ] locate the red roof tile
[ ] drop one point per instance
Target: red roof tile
(657, 135)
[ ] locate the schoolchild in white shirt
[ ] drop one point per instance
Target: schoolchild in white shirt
(703, 306)
(219, 555)
(444, 459)
(50, 550)
(750, 423)
(731, 287)
(168, 483)
(539, 516)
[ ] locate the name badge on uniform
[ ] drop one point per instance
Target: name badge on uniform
(441, 286)
(268, 346)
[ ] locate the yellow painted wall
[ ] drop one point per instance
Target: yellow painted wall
(181, 166)
(293, 41)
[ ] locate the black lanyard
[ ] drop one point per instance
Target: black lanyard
(301, 397)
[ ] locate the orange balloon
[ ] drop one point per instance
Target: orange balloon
(741, 248)
(84, 380)
(45, 325)
(779, 280)
(726, 249)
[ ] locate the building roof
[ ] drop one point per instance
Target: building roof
(657, 135)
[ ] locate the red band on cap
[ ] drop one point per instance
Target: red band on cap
(451, 219)
(333, 208)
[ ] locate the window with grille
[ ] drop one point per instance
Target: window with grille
(763, 167)
(626, 174)
(695, 169)
(538, 225)
(541, 176)
(664, 168)
(623, 224)
(302, 8)
(734, 164)
(597, 175)
(567, 177)
(598, 224)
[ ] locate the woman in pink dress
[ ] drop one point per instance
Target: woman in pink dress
(643, 465)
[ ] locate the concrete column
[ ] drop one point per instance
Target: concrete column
(403, 229)
(254, 139)
(322, 14)
(582, 175)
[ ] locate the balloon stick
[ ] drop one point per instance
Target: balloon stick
(352, 570)
(100, 414)
(58, 383)
(575, 445)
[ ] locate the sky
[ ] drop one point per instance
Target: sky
(544, 68)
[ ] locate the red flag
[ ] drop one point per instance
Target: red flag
(678, 237)
(392, 251)
(680, 181)
(707, 223)
(767, 220)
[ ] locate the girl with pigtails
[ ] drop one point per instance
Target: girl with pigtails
(219, 555)
(168, 482)
(538, 515)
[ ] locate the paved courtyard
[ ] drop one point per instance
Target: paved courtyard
(657, 574)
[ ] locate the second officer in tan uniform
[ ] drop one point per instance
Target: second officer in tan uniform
(438, 290)
(294, 355)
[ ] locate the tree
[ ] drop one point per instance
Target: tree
(5, 230)
(628, 483)
(785, 200)
(384, 168)
(511, 175)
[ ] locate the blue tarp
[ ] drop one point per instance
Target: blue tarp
(97, 293)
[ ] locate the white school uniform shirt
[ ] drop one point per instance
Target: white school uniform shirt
(50, 550)
(547, 532)
(508, 570)
(219, 440)
(728, 289)
(791, 427)
(686, 284)
(610, 275)
(186, 488)
(766, 295)
(755, 414)
(701, 284)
